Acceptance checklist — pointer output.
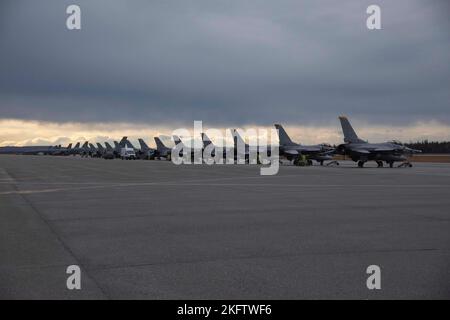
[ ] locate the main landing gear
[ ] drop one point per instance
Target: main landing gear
(302, 161)
(379, 163)
(361, 163)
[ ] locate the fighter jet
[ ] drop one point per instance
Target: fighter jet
(109, 153)
(192, 147)
(127, 144)
(28, 150)
(162, 150)
(93, 151)
(75, 150)
(292, 150)
(361, 151)
(100, 149)
(205, 140)
(119, 145)
(146, 152)
(84, 150)
(62, 151)
(177, 140)
(241, 148)
(116, 146)
(207, 143)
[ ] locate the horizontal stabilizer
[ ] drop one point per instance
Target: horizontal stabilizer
(291, 152)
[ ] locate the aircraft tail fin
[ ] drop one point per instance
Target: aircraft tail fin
(177, 140)
(350, 135)
(77, 145)
(144, 146)
(237, 138)
(159, 144)
(128, 144)
(283, 136)
(206, 141)
(69, 146)
(100, 147)
(85, 145)
(123, 142)
(108, 146)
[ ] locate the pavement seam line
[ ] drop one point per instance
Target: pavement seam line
(57, 236)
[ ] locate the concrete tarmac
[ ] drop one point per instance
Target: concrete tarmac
(154, 230)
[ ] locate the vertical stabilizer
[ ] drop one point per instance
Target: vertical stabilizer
(100, 147)
(144, 146)
(123, 142)
(350, 135)
(108, 146)
(206, 141)
(237, 138)
(283, 136)
(177, 140)
(159, 144)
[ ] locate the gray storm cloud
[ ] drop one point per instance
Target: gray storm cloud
(225, 62)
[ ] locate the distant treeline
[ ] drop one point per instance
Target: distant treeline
(430, 146)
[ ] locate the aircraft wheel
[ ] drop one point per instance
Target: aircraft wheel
(360, 164)
(321, 163)
(391, 164)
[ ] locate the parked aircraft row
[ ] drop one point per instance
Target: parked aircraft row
(358, 150)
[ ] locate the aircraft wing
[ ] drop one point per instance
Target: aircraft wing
(331, 151)
(383, 150)
(308, 149)
(361, 151)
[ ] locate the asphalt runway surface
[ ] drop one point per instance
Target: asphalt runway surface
(154, 230)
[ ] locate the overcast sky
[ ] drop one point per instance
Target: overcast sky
(228, 62)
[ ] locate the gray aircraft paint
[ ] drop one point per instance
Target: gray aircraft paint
(362, 151)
